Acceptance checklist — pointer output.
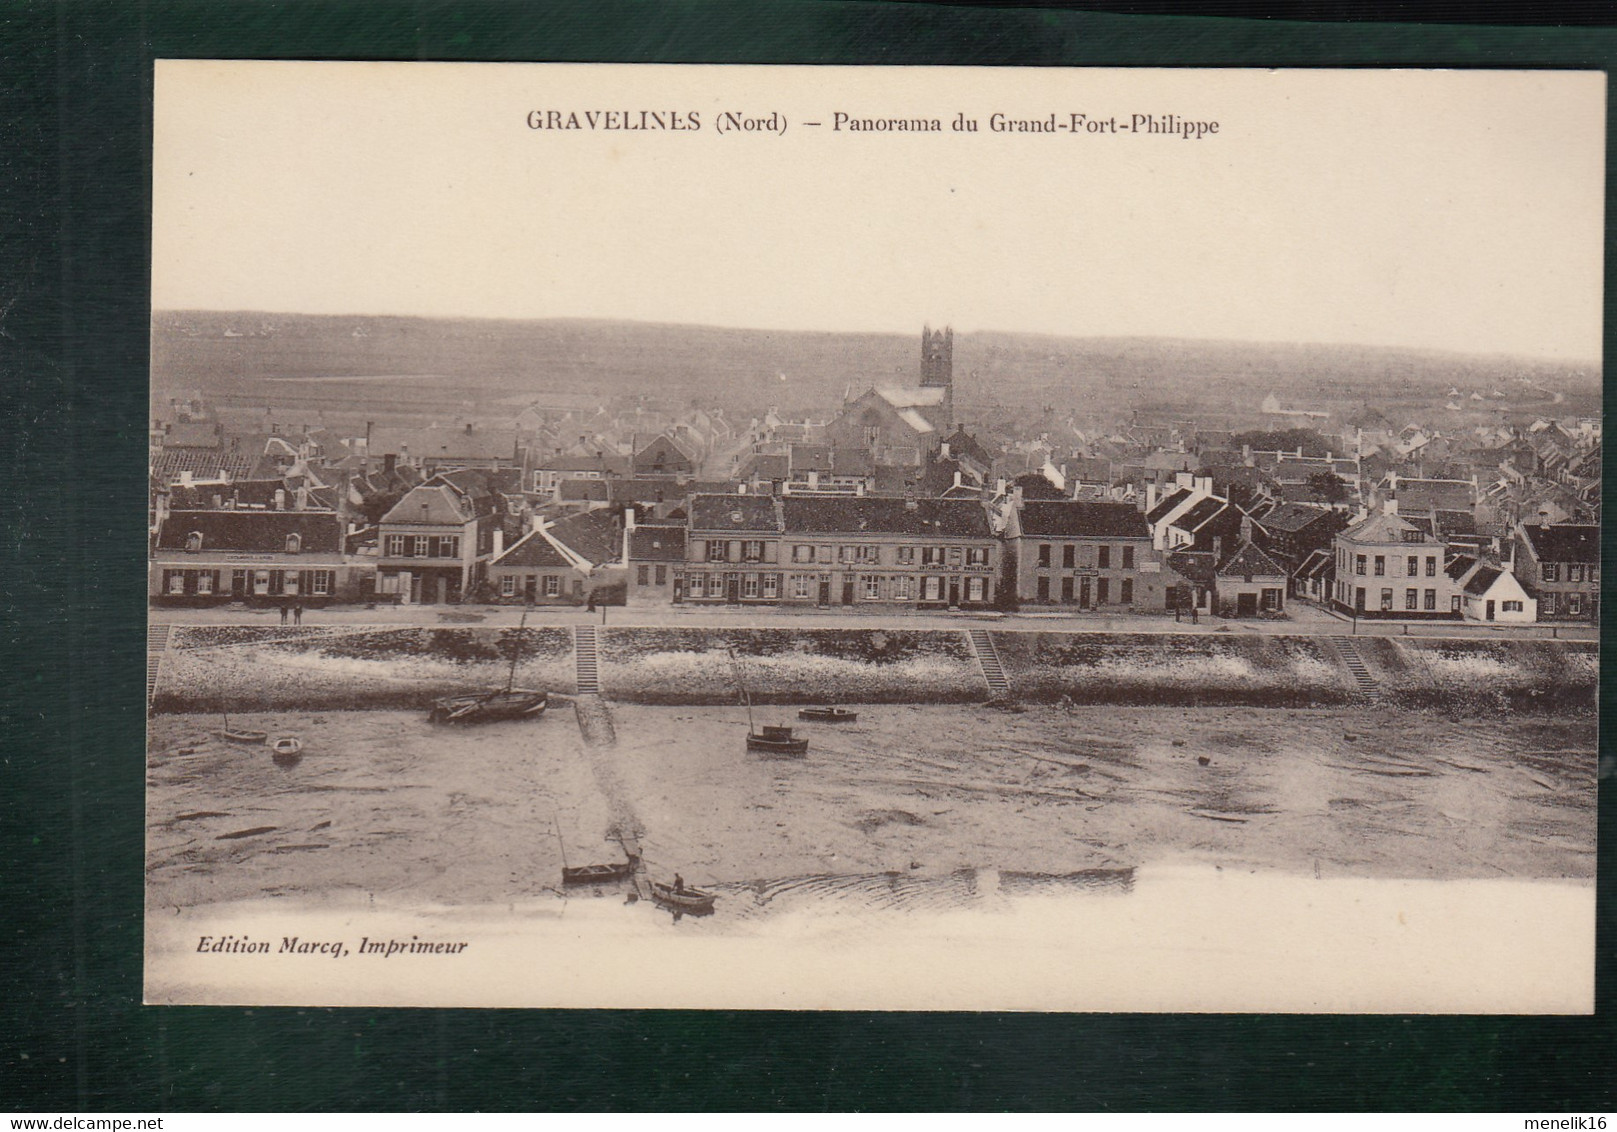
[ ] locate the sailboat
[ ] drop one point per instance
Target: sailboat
(769, 740)
(509, 702)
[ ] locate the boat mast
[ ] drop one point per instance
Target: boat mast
(516, 649)
(735, 665)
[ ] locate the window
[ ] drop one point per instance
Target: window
(1412, 599)
(771, 584)
(1104, 559)
(800, 586)
(508, 584)
(1066, 589)
(906, 556)
(752, 551)
(1512, 607)
(1431, 601)
(1412, 567)
(1413, 536)
(205, 582)
(903, 589)
(1386, 600)
(294, 543)
(1128, 560)
(822, 554)
(1431, 567)
(1044, 556)
(1594, 573)
(1381, 566)
(662, 575)
(176, 581)
(420, 550)
(642, 576)
(715, 550)
(1269, 601)
(449, 546)
(974, 589)
(1454, 604)
(193, 541)
(978, 556)
(802, 553)
(1574, 572)
(1102, 590)
(1043, 584)
(1574, 604)
(933, 590)
(1551, 571)
(552, 585)
(871, 554)
(395, 546)
(320, 582)
(1358, 564)
(749, 586)
(956, 556)
(1126, 591)
(1067, 556)
(847, 553)
(872, 587)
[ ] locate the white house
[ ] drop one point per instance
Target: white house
(1491, 593)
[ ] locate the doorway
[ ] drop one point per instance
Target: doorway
(825, 591)
(1489, 608)
(1246, 605)
(847, 589)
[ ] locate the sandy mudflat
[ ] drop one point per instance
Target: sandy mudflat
(385, 806)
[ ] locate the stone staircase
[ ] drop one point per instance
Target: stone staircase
(156, 645)
(999, 688)
(584, 653)
(1368, 688)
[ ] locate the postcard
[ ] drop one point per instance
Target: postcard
(874, 538)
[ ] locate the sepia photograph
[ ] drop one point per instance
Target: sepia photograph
(882, 538)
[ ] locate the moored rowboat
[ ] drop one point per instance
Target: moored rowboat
(831, 714)
(286, 750)
(596, 874)
(691, 901)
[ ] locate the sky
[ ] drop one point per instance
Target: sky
(1429, 209)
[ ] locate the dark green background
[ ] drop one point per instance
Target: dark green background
(74, 184)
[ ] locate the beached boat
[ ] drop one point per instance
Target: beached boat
(242, 734)
(831, 714)
(286, 750)
(771, 740)
(691, 901)
(508, 702)
(482, 707)
(596, 874)
(776, 741)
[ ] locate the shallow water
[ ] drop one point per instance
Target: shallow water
(386, 805)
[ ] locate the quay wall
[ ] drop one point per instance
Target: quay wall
(229, 668)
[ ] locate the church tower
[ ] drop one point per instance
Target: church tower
(937, 372)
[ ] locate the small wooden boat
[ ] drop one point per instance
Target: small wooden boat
(286, 750)
(776, 741)
(690, 901)
(241, 734)
(596, 874)
(831, 714)
(771, 740)
(502, 703)
(484, 707)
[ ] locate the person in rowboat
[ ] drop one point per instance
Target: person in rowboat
(679, 884)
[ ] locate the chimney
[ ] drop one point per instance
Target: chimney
(1246, 528)
(301, 502)
(1016, 497)
(1389, 507)
(235, 498)
(1150, 497)
(957, 477)
(185, 479)
(1218, 550)
(499, 541)
(280, 499)
(389, 462)
(943, 449)
(1246, 454)
(628, 518)
(218, 501)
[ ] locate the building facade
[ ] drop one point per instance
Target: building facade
(1386, 567)
(1559, 564)
(1088, 555)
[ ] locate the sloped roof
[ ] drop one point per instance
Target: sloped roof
(592, 535)
(734, 513)
(961, 518)
(259, 532)
(915, 420)
(1249, 560)
(1195, 565)
(1083, 520)
(1380, 527)
(577, 491)
(1200, 514)
(1166, 505)
(1319, 564)
(911, 397)
(1565, 542)
(1289, 518)
(444, 443)
(431, 504)
(1459, 566)
(1483, 580)
(657, 544)
(532, 549)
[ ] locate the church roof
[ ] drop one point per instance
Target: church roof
(913, 397)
